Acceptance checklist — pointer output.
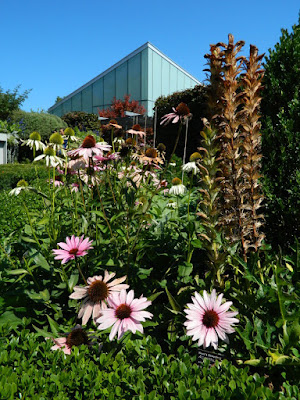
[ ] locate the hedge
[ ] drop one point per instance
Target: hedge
(195, 98)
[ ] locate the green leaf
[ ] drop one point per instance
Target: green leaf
(9, 318)
(17, 271)
(175, 306)
(53, 326)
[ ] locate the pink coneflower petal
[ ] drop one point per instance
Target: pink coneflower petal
(208, 320)
(95, 295)
(124, 313)
(74, 247)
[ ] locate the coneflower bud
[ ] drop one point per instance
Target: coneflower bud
(35, 136)
(56, 138)
(161, 147)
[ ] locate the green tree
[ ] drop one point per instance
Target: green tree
(11, 100)
(281, 139)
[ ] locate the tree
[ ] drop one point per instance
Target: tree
(58, 99)
(11, 101)
(281, 139)
(118, 108)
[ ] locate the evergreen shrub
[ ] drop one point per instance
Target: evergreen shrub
(43, 123)
(82, 120)
(281, 139)
(195, 99)
(11, 174)
(140, 370)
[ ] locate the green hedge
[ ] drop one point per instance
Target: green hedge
(281, 139)
(11, 174)
(136, 369)
(82, 120)
(196, 100)
(41, 122)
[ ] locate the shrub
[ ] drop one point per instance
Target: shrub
(29, 369)
(281, 139)
(118, 108)
(41, 122)
(196, 101)
(82, 120)
(11, 174)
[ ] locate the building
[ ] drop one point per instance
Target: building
(145, 74)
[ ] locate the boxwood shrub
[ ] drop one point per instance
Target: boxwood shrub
(11, 174)
(136, 369)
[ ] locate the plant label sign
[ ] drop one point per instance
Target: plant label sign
(212, 357)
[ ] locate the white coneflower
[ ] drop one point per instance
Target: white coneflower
(50, 157)
(178, 188)
(56, 141)
(34, 142)
(22, 185)
(69, 134)
(191, 167)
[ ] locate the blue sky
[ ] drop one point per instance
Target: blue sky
(54, 47)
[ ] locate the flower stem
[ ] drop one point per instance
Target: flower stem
(79, 269)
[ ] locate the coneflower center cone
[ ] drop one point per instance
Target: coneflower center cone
(77, 337)
(123, 311)
(210, 319)
(98, 291)
(137, 127)
(88, 142)
(73, 251)
(182, 109)
(151, 153)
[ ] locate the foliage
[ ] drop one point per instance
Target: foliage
(58, 99)
(118, 107)
(140, 370)
(42, 122)
(10, 101)
(196, 101)
(281, 139)
(82, 120)
(12, 173)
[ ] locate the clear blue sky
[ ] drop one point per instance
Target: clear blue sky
(54, 47)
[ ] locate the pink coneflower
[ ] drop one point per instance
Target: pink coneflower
(74, 247)
(96, 293)
(90, 147)
(137, 130)
(124, 314)
(76, 337)
(207, 319)
(181, 112)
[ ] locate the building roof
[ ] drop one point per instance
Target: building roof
(107, 71)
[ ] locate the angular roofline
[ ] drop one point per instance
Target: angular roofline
(107, 71)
